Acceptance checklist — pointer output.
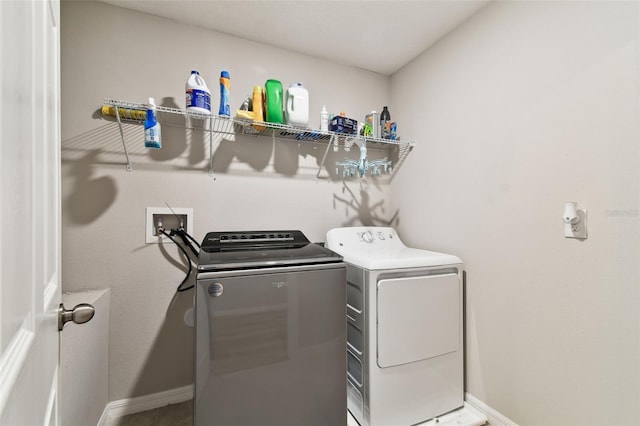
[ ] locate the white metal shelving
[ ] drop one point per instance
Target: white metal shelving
(216, 125)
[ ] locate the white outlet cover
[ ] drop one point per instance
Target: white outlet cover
(579, 230)
(150, 237)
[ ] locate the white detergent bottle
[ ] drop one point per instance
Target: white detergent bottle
(297, 106)
(198, 96)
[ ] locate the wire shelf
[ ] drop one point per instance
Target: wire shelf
(133, 112)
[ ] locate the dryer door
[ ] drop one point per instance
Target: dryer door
(418, 318)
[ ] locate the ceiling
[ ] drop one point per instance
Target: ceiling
(376, 35)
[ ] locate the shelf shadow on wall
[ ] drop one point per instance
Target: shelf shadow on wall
(177, 136)
(259, 153)
(360, 209)
(288, 157)
(89, 196)
(86, 197)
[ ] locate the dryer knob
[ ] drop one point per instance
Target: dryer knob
(367, 237)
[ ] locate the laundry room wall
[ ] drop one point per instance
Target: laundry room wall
(110, 52)
(525, 106)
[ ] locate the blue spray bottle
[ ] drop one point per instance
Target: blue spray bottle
(152, 134)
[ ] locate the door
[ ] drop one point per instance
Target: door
(29, 211)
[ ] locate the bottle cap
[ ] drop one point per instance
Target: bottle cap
(152, 102)
(224, 74)
(195, 72)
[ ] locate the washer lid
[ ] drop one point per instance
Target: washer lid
(260, 249)
(377, 248)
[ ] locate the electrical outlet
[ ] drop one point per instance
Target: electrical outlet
(577, 230)
(167, 219)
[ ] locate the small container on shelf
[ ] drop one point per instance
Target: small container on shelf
(342, 124)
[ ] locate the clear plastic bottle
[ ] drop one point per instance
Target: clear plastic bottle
(324, 119)
(152, 134)
(198, 96)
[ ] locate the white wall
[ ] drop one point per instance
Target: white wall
(526, 106)
(108, 52)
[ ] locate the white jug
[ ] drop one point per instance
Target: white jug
(297, 106)
(198, 96)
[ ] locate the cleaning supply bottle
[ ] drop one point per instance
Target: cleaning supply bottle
(152, 134)
(258, 106)
(324, 119)
(225, 85)
(198, 96)
(273, 101)
(385, 118)
(372, 125)
(297, 105)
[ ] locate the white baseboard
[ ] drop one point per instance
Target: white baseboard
(495, 417)
(126, 406)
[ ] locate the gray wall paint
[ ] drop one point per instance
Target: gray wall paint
(526, 106)
(108, 52)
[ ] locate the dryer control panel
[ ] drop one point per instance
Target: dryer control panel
(373, 247)
(370, 236)
(383, 236)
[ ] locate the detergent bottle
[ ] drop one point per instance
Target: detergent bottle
(198, 96)
(297, 105)
(225, 85)
(273, 101)
(152, 134)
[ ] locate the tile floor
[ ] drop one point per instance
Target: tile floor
(170, 415)
(182, 415)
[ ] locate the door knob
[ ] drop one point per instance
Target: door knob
(79, 314)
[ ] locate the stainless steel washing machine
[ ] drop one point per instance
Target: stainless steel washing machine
(270, 332)
(404, 329)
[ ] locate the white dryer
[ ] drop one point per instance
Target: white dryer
(404, 329)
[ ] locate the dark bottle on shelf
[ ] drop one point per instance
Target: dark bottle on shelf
(385, 118)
